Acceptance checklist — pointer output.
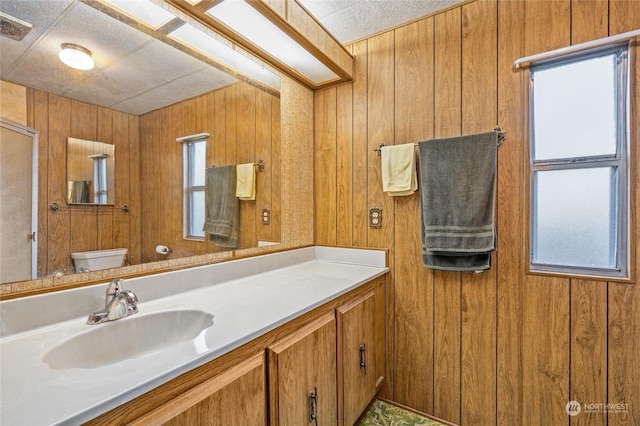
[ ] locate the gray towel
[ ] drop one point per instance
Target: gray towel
(457, 195)
(79, 191)
(221, 218)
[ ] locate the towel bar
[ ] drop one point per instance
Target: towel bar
(501, 137)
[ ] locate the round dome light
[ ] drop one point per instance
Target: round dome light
(76, 56)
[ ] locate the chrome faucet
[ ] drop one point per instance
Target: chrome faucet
(118, 303)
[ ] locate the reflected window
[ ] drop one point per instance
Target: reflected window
(194, 152)
(578, 152)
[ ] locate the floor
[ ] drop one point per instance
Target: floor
(383, 414)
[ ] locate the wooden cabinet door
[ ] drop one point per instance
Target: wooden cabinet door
(360, 354)
(301, 364)
(235, 397)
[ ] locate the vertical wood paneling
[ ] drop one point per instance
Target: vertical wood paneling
(447, 285)
(380, 95)
(58, 223)
(510, 220)
(507, 347)
(276, 172)
(134, 201)
(414, 284)
(547, 25)
(588, 370)
(589, 20)
(325, 160)
(264, 186)
(380, 129)
(246, 132)
(122, 148)
(360, 144)
(546, 312)
(624, 300)
(479, 114)
(344, 141)
(623, 16)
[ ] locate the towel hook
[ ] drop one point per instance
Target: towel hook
(260, 165)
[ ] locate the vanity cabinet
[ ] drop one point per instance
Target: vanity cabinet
(360, 327)
(235, 397)
(302, 375)
(322, 368)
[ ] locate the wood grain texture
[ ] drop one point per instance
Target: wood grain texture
(233, 397)
(301, 363)
(80, 228)
(325, 160)
(414, 89)
(624, 300)
(479, 115)
(234, 122)
(588, 369)
(510, 220)
(360, 145)
(447, 285)
(345, 164)
(356, 324)
(589, 20)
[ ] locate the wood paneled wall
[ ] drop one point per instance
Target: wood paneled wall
(82, 228)
(501, 347)
(244, 127)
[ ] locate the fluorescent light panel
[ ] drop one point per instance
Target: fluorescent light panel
(197, 39)
(144, 11)
(246, 21)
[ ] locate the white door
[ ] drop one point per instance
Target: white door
(18, 202)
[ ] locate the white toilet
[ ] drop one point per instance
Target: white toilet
(98, 259)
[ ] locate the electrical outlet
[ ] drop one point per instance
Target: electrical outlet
(266, 216)
(375, 217)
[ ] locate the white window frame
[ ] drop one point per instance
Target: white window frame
(620, 161)
(188, 145)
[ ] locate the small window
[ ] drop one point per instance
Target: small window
(194, 152)
(578, 164)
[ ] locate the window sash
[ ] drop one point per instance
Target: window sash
(619, 161)
(191, 190)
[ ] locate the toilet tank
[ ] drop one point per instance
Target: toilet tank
(98, 259)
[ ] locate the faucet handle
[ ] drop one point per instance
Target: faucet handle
(115, 287)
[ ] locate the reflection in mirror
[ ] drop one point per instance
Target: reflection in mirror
(147, 88)
(90, 172)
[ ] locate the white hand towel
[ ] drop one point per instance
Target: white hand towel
(399, 176)
(246, 184)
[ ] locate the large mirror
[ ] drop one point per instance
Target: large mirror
(151, 85)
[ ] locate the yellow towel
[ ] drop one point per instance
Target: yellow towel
(246, 184)
(399, 176)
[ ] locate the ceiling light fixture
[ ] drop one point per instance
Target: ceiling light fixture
(76, 56)
(282, 33)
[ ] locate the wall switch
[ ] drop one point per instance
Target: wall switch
(375, 217)
(266, 216)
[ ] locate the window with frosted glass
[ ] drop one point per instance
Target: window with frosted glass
(579, 197)
(194, 163)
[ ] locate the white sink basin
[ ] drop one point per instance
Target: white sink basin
(131, 337)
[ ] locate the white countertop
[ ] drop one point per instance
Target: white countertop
(267, 291)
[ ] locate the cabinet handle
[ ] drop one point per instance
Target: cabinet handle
(313, 406)
(363, 359)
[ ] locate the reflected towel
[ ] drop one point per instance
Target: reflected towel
(246, 185)
(399, 176)
(221, 219)
(79, 191)
(458, 201)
